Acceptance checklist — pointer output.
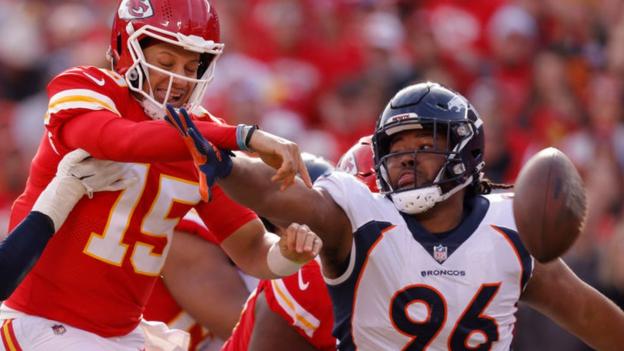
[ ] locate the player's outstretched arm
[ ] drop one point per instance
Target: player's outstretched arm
(77, 174)
(271, 332)
(250, 183)
(106, 136)
(281, 197)
(555, 291)
(277, 152)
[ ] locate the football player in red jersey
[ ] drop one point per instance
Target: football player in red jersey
(96, 274)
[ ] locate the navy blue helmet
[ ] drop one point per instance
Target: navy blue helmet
(431, 107)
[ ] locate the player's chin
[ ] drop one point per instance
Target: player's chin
(176, 101)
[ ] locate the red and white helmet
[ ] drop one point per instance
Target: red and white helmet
(359, 161)
(190, 24)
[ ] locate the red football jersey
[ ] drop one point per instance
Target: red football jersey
(98, 270)
(301, 299)
(162, 307)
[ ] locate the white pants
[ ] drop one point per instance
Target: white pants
(20, 331)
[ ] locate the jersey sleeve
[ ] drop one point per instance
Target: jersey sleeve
(501, 208)
(192, 224)
(77, 91)
(222, 215)
(351, 195)
(303, 301)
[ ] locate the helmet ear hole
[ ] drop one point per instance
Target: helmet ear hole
(133, 77)
(205, 60)
(119, 46)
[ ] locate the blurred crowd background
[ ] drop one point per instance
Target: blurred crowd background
(541, 73)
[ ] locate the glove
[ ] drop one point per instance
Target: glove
(78, 174)
(211, 162)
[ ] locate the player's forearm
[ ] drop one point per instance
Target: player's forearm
(558, 293)
(21, 249)
(106, 136)
(250, 184)
(249, 252)
(597, 321)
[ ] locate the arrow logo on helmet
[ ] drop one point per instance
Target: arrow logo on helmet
(135, 9)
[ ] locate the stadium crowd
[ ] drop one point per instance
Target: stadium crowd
(542, 73)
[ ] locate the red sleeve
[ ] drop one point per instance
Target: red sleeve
(192, 227)
(106, 136)
(302, 299)
(222, 215)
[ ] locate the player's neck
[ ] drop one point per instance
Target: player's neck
(444, 216)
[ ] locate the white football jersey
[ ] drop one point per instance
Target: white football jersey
(408, 289)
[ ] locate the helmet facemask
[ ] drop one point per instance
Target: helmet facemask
(137, 76)
(452, 175)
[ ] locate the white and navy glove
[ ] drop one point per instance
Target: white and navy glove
(79, 174)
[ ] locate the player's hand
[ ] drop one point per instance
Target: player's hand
(211, 162)
(281, 154)
(95, 175)
(78, 173)
(299, 244)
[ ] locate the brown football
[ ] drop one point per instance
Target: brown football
(549, 204)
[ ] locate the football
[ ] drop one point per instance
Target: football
(549, 204)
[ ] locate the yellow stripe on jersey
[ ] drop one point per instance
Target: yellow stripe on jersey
(9, 343)
(81, 98)
(302, 318)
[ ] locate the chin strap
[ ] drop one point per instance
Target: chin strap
(416, 200)
(420, 200)
(153, 110)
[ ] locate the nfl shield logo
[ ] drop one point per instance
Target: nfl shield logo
(440, 253)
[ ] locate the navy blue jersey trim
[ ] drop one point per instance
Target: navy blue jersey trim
(474, 210)
(343, 294)
(524, 255)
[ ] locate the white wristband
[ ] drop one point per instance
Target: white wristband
(280, 265)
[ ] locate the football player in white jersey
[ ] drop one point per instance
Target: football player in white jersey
(432, 262)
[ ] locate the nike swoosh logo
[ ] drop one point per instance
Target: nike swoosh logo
(302, 285)
(99, 82)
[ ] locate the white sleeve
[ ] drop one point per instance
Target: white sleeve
(351, 195)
